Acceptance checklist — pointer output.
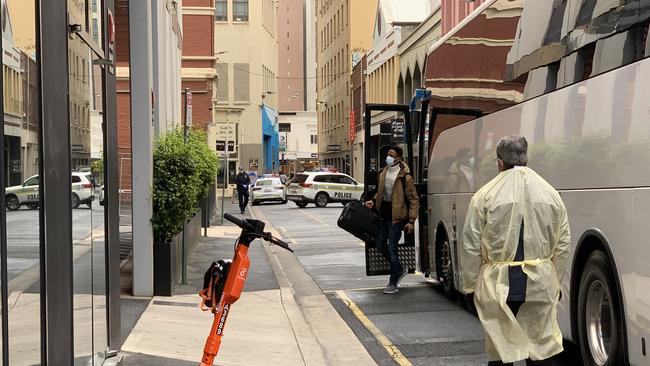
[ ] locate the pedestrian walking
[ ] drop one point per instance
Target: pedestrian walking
(243, 181)
(514, 255)
(397, 203)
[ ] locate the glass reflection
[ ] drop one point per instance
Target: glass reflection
(87, 164)
(79, 63)
(20, 165)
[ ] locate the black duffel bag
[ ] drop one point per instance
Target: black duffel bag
(360, 221)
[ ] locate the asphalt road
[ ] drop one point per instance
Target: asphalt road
(23, 235)
(417, 326)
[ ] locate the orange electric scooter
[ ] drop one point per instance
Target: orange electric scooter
(224, 281)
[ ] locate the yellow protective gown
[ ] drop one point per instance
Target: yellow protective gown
(490, 240)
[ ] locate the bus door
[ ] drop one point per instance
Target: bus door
(440, 118)
(393, 128)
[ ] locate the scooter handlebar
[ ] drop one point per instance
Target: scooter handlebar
(247, 226)
(239, 222)
(282, 244)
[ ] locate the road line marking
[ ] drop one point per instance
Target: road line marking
(392, 349)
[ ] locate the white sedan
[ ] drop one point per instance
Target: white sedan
(268, 189)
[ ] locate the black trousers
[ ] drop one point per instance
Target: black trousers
(514, 306)
(243, 199)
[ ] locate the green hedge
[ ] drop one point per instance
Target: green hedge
(183, 173)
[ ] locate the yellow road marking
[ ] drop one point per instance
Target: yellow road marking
(392, 349)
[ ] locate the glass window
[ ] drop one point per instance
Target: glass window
(33, 181)
(264, 182)
(19, 150)
(314, 139)
(322, 178)
(221, 10)
(76, 179)
(240, 10)
(284, 127)
(300, 178)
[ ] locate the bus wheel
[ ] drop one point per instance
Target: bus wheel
(600, 317)
(446, 269)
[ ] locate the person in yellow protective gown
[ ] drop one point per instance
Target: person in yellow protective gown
(514, 254)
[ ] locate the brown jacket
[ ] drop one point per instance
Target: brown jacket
(401, 212)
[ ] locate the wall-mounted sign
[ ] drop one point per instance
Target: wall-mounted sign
(283, 142)
(221, 146)
(76, 148)
(333, 148)
(15, 166)
(353, 126)
(397, 130)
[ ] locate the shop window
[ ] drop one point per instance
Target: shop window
(284, 127)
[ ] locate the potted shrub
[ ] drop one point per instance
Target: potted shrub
(183, 173)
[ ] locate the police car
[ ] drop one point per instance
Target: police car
(322, 188)
(26, 194)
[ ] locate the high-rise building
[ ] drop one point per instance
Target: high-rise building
(344, 34)
(291, 55)
(297, 85)
(245, 111)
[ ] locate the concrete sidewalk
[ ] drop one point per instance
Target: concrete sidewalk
(279, 319)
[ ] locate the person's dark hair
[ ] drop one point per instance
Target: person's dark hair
(513, 151)
(398, 150)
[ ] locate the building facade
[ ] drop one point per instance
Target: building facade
(412, 52)
(395, 21)
(247, 90)
(198, 67)
(291, 55)
(298, 141)
(344, 34)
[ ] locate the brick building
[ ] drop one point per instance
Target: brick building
(198, 66)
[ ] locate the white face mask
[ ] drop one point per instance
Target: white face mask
(390, 160)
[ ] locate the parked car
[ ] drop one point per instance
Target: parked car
(26, 194)
(268, 189)
(321, 188)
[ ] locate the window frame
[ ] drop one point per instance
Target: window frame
(243, 17)
(217, 16)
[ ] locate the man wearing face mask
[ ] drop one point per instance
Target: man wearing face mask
(397, 202)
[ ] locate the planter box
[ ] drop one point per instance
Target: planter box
(168, 257)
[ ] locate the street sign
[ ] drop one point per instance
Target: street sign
(353, 126)
(283, 142)
(188, 113)
(222, 143)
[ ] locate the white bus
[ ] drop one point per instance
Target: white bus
(573, 77)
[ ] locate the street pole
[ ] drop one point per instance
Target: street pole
(185, 124)
(225, 178)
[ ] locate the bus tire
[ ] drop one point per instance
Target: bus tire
(446, 269)
(600, 315)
